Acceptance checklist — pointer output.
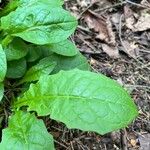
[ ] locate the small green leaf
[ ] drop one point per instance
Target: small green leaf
(34, 53)
(26, 132)
(65, 48)
(16, 68)
(81, 99)
(3, 64)
(68, 63)
(39, 24)
(16, 49)
(44, 67)
(1, 91)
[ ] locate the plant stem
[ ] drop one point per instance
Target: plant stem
(7, 40)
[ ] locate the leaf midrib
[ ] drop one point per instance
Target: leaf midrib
(70, 97)
(40, 26)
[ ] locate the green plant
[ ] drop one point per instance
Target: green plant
(53, 78)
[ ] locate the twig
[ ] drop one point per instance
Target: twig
(136, 4)
(80, 15)
(61, 144)
(112, 6)
(71, 143)
(124, 139)
(145, 51)
(84, 29)
(137, 86)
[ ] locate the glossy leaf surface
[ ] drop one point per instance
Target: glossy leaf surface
(39, 24)
(81, 99)
(26, 132)
(3, 64)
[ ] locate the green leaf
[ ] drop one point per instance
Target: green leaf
(1, 91)
(16, 68)
(34, 53)
(65, 48)
(44, 67)
(67, 63)
(9, 7)
(51, 3)
(81, 99)
(3, 64)
(26, 132)
(16, 49)
(39, 24)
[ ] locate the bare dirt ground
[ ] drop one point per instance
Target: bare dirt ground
(115, 37)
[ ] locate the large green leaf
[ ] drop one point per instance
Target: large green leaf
(51, 3)
(44, 67)
(1, 91)
(16, 49)
(81, 99)
(25, 132)
(65, 48)
(3, 64)
(13, 4)
(40, 24)
(16, 68)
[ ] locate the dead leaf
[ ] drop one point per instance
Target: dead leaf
(111, 34)
(133, 142)
(55, 134)
(129, 17)
(104, 3)
(144, 142)
(143, 22)
(116, 18)
(112, 51)
(131, 48)
(101, 25)
(86, 3)
(145, 3)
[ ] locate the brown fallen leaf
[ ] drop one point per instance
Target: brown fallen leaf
(131, 48)
(104, 3)
(102, 26)
(143, 22)
(133, 142)
(129, 17)
(86, 3)
(112, 51)
(115, 18)
(145, 3)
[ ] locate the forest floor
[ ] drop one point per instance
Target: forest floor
(115, 37)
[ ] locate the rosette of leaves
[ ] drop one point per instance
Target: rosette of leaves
(55, 78)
